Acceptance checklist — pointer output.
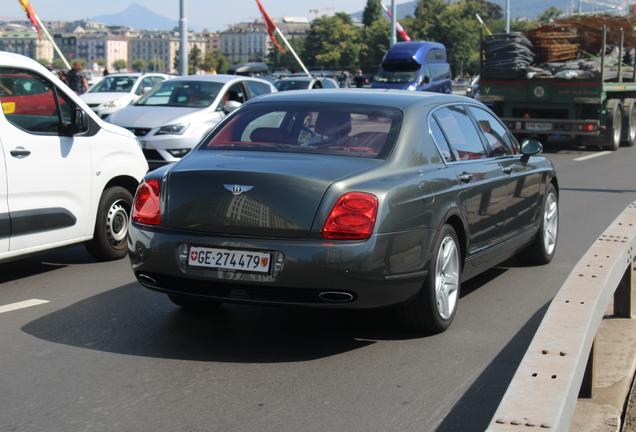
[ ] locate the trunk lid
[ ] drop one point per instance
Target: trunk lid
(262, 194)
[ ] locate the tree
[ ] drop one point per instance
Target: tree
(139, 65)
(215, 61)
(195, 60)
(59, 63)
(516, 25)
(333, 42)
(549, 14)
(156, 65)
(493, 10)
(376, 40)
(101, 62)
(276, 60)
(120, 64)
(43, 61)
(372, 12)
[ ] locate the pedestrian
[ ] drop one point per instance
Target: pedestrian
(360, 80)
(105, 72)
(76, 79)
(343, 80)
(61, 76)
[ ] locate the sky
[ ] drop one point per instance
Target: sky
(214, 15)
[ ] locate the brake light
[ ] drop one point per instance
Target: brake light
(588, 127)
(147, 208)
(352, 217)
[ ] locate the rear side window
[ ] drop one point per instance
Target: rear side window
(30, 103)
(256, 88)
(297, 127)
(460, 133)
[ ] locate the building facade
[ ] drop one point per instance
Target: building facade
(28, 44)
(163, 46)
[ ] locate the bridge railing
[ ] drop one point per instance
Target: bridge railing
(558, 366)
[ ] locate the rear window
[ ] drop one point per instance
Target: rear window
(314, 128)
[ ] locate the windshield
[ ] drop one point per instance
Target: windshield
(398, 74)
(190, 94)
(292, 84)
(115, 84)
(314, 128)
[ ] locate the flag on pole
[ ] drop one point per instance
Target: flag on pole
(271, 27)
(398, 27)
(31, 14)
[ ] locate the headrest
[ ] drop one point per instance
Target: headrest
(333, 124)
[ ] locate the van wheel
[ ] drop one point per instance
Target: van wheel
(435, 306)
(111, 227)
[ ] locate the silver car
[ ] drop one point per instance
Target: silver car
(173, 117)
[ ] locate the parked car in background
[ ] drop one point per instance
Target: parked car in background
(348, 198)
(119, 90)
(304, 82)
(472, 89)
(173, 117)
(66, 176)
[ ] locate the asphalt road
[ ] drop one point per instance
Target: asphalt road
(105, 354)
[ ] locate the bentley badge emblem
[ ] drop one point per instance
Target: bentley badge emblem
(237, 189)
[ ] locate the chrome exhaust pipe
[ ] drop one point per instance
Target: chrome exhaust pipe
(335, 296)
(146, 279)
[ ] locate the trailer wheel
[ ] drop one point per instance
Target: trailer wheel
(629, 122)
(614, 123)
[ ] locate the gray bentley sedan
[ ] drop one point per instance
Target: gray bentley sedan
(348, 198)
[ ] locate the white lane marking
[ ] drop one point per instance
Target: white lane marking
(582, 158)
(21, 305)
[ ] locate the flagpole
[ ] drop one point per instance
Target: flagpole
(292, 50)
(68, 66)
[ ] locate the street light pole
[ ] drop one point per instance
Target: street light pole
(183, 28)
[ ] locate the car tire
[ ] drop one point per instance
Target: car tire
(541, 250)
(194, 304)
(435, 306)
(111, 226)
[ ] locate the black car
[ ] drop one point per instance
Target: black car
(348, 198)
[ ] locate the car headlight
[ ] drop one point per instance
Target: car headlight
(412, 87)
(111, 104)
(175, 129)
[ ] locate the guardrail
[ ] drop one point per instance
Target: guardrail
(558, 366)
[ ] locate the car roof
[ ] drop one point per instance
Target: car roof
(386, 97)
(217, 78)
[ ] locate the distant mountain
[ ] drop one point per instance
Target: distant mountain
(529, 9)
(139, 18)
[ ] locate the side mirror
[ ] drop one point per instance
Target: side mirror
(530, 147)
(80, 122)
(231, 106)
(145, 90)
(427, 79)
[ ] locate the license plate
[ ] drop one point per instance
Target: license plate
(539, 126)
(229, 259)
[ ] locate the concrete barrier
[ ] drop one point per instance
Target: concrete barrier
(559, 365)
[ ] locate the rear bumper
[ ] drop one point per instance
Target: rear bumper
(384, 270)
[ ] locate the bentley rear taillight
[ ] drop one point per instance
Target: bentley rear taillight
(352, 217)
(147, 208)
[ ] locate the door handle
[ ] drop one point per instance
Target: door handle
(465, 177)
(508, 170)
(20, 152)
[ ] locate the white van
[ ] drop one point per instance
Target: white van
(66, 176)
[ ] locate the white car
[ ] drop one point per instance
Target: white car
(119, 90)
(173, 117)
(66, 176)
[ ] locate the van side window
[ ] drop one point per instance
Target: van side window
(440, 72)
(436, 55)
(29, 102)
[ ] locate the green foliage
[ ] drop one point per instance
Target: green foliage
(492, 12)
(549, 14)
(43, 61)
(215, 61)
(372, 12)
(156, 65)
(332, 42)
(516, 25)
(120, 64)
(59, 63)
(139, 65)
(375, 44)
(195, 60)
(101, 61)
(276, 60)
